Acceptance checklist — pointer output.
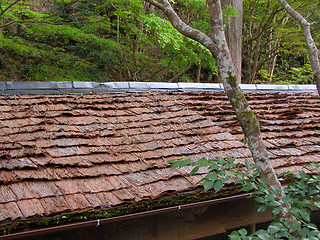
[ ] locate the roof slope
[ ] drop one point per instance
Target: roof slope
(70, 152)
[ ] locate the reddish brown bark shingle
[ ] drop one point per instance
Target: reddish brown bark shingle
(73, 152)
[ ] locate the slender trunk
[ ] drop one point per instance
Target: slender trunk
(245, 115)
(198, 73)
(118, 28)
(313, 50)
(272, 66)
(233, 31)
(272, 56)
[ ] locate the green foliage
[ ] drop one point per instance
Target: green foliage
(268, 33)
(288, 75)
(229, 11)
(98, 41)
(300, 196)
(296, 75)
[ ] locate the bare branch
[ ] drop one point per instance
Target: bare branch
(7, 24)
(7, 8)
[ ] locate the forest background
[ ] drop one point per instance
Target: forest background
(130, 40)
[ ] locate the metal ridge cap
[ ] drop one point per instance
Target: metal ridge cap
(76, 87)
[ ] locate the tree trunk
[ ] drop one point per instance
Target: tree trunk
(245, 115)
(233, 32)
(217, 45)
(198, 73)
(313, 50)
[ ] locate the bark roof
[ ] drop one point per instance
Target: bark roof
(71, 152)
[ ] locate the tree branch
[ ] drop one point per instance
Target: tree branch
(7, 24)
(181, 26)
(7, 8)
(313, 50)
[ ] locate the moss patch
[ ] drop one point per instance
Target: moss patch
(121, 210)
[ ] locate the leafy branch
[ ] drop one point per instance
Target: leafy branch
(301, 195)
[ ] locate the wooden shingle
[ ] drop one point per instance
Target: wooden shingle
(63, 153)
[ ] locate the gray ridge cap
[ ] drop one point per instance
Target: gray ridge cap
(184, 86)
(38, 85)
(77, 87)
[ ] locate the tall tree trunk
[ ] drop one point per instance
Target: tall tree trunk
(313, 50)
(233, 32)
(218, 47)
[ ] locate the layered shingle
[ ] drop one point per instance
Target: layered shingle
(72, 152)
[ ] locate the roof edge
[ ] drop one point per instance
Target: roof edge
(97, 222)
(74, 87)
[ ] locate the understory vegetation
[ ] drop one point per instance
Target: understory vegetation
(302, 194)
(130, 40)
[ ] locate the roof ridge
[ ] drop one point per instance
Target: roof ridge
(75, 87)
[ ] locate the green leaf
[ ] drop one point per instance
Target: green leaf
(263, 235)
(292, 238)
(201, 161)
(212, 176)
(275, 190)
(302, 174)
(263, 183)
(238, 181)
(214, 166)
(276, 211)
(273, 229)
(243, 232)
(247, 164)
(295, 226)
(275, 203)
(286, 198)
(226, 178)
(217, 185)
(256, 172)
(270, 197)
(207, 184)
(300, 213)
(221, 161)
(221, 173)
(181, 163)
(305, 216)
(230, 160)
(261, 208)
(172, 161)
(313, 191)
(194, 170)
(317, 204)
(311, 226)
(259, 199)
(234, 235)
(248, 186)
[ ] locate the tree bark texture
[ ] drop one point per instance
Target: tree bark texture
(313, 50)
(218, 47)
(233, 32)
